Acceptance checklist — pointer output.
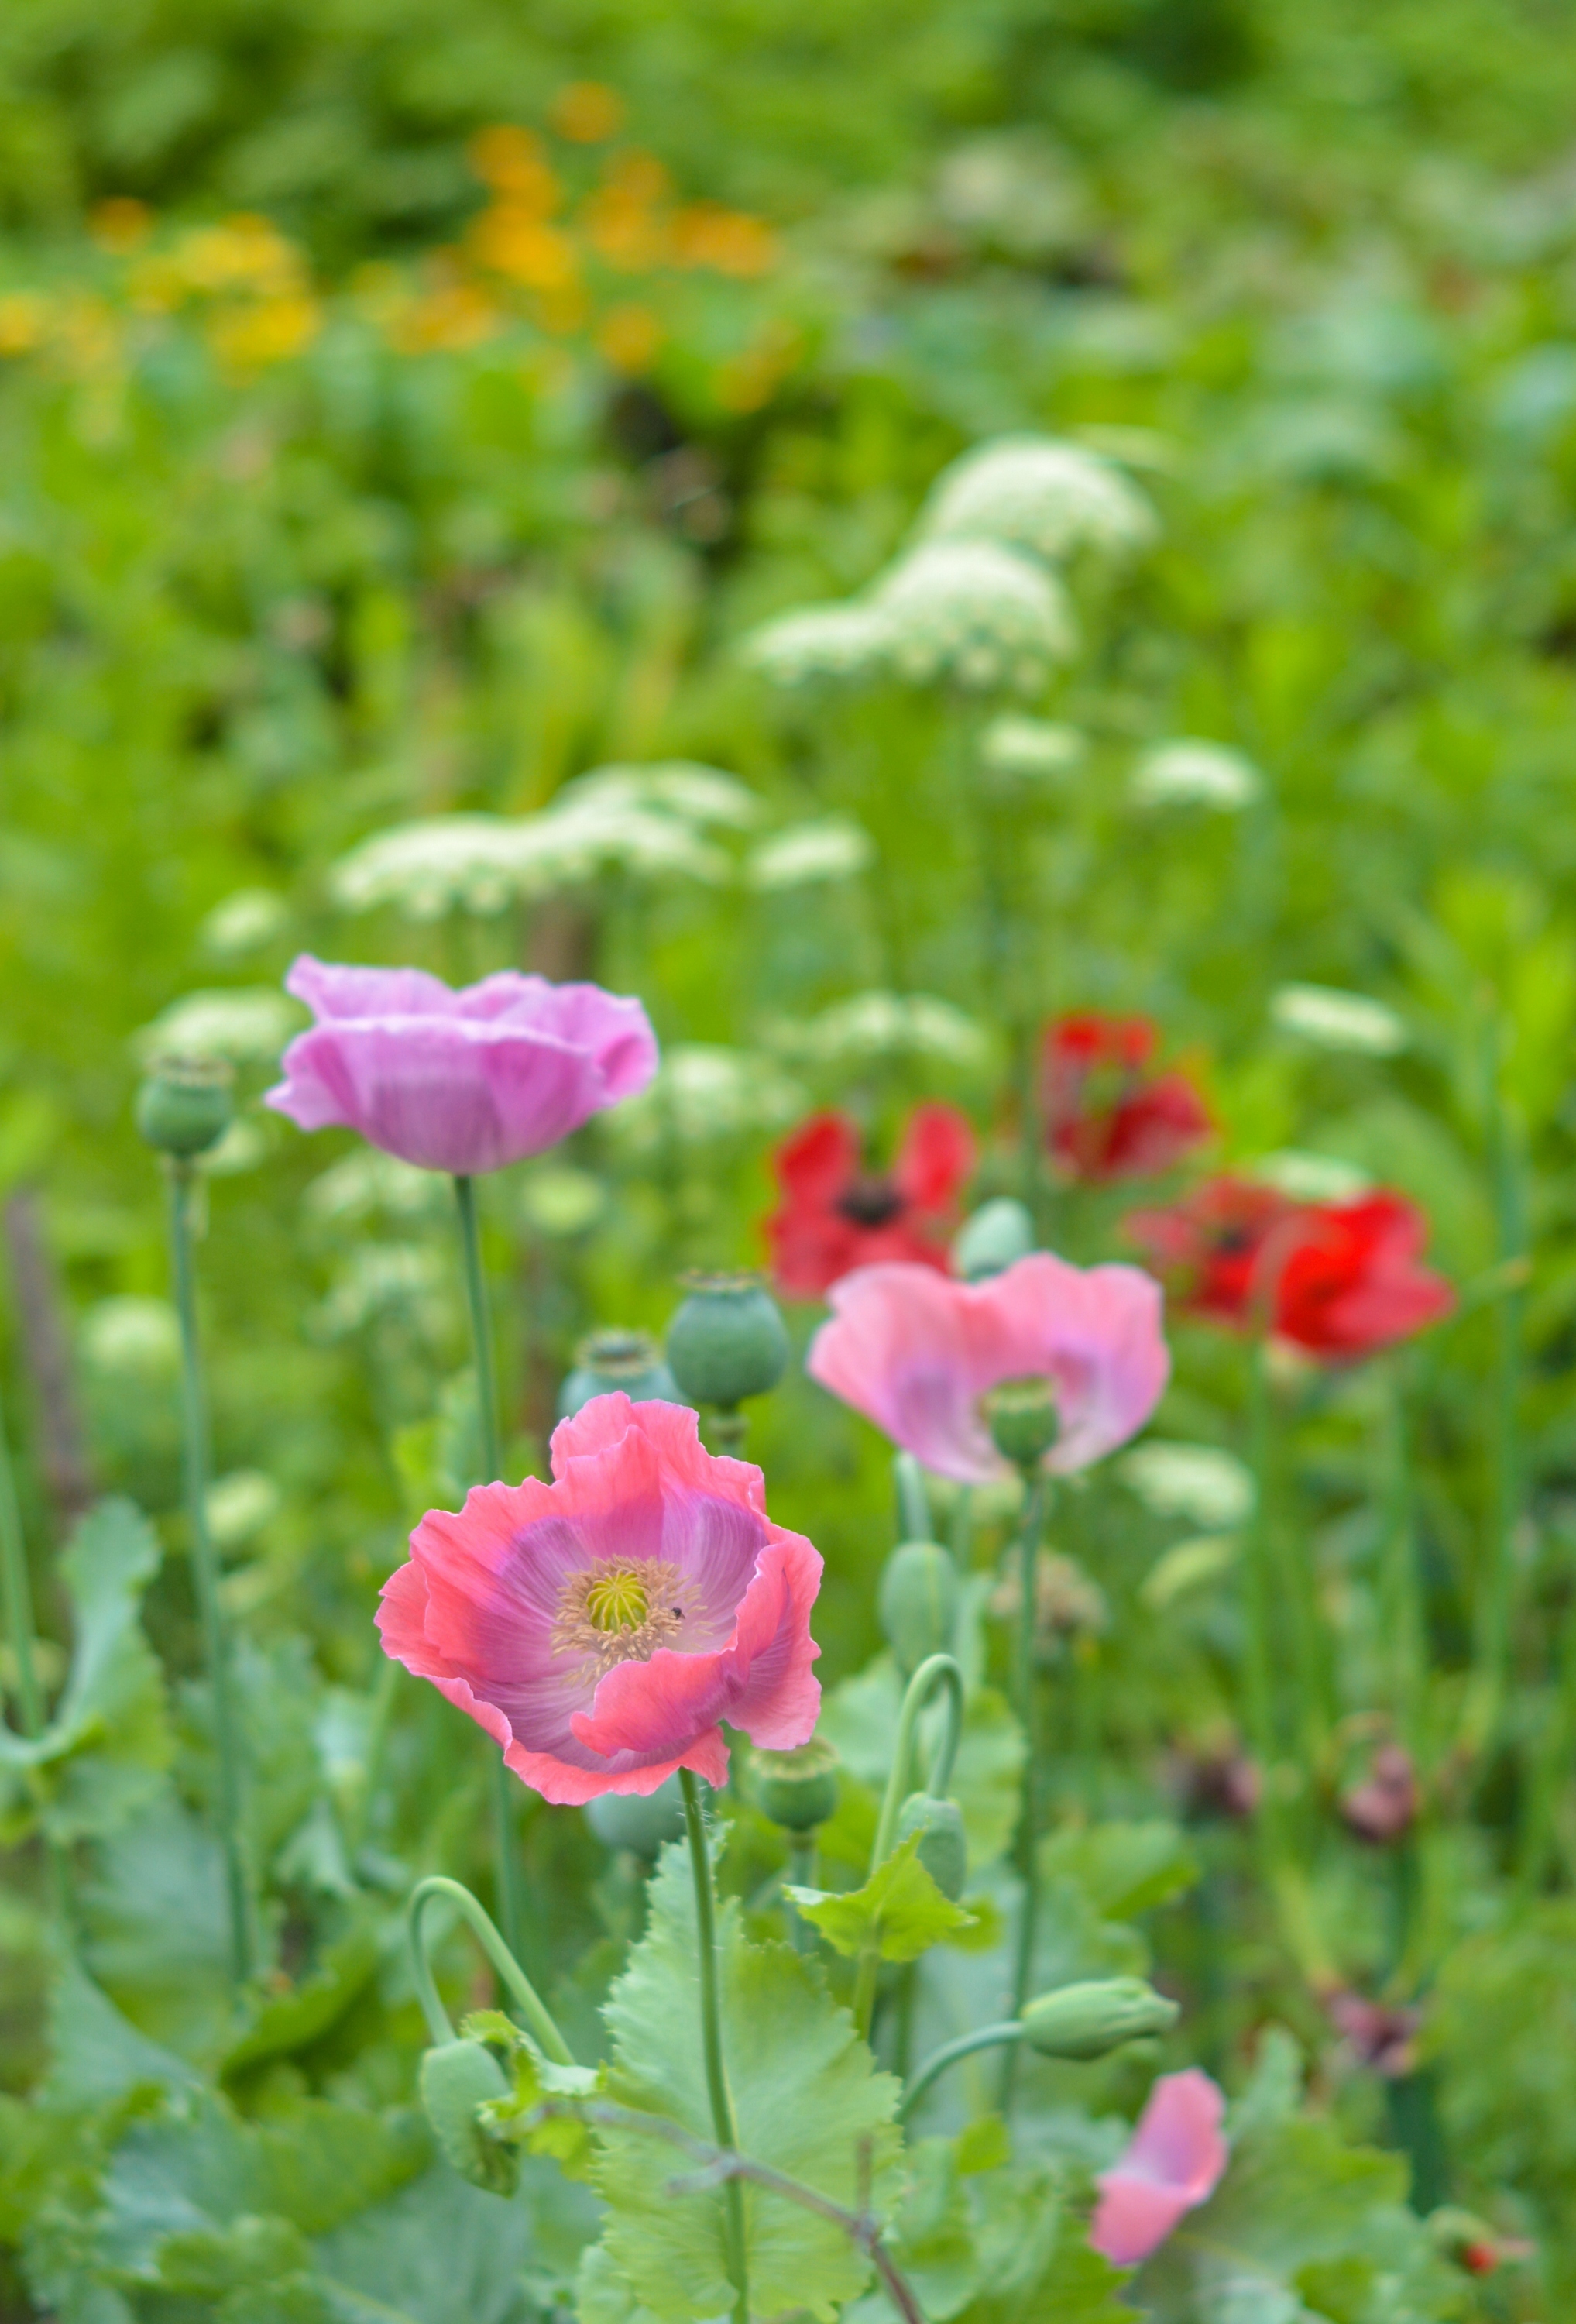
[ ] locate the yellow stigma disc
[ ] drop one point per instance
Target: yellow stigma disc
(616, 1600)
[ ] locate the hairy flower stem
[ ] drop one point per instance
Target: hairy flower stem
(539, 2023)
(506, 1872)
(204, 1569)
(1036, 1495)
(710, 2028)
(935, 1671)
(1005, 2036)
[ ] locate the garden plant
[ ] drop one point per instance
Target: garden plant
(787, 1109)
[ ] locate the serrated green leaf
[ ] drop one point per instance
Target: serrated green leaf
(99, 1759)
(96, 2054)
(861, 1719)
(808, 2099)
(1300, 2213)
(899, 1907)
(440, 2252)
(601, 2294)
(1123, 1868)
(156, 1928)
(535, 2077)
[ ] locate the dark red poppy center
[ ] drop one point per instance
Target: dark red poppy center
(869, 1201)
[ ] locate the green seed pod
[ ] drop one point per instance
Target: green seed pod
(185, 1106)
(455, 2079)
(1085, 2021)
(615, 1359)
(918, 1602)
(644, 1826)
(1021, 1415)
(943, 1851)
(796, 1789)
(998, 1233)
(727, 1342)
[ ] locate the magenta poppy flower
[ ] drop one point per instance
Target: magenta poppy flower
(1171, 2164)
(600, 1628)
(917, 1352)
(463, 1081)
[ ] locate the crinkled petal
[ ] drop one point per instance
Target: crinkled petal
(331, 989)
(1172, 2162)
(936, 1159)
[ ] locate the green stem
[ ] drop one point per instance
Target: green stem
(913, 1503)
(1402, 1615)
(1007, 2036)
(726, 1429)
(936, 1670)
(1036, 1495)
(1258, 1595)
(205, 1568)
(538, 2018)
(1486, 1700)
(710, 2028)
(803, 1872)
(506, 1869)
(377, 1743)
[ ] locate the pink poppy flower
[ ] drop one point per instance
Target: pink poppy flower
(917, 1352)
(601, 1627)
(1171, 2164)
(463, 1081)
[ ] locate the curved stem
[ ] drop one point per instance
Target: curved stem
(532, 2008)
(710, 2028)
(1006, 2035)
(506, 1873)
(1035, 1496)
(204, 1569)
(936, 1670)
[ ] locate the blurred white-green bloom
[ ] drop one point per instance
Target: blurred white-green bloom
(245, 922)
(248, 1025)
(1032, 750)
(482, 864)
(847, 642)
(1200, 1483)
(1334, 1020)
(366, 1181)
(1183, 773)
(378, 1278)
(704, 1093)
(873, 1025)
(1035, 492)
(832, 847)
(677, 786)
(1310, 1177)
(246, 1143)
(131, 1336)
(240, 1504)
(977, 613)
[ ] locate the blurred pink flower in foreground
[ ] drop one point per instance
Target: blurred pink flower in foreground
(1171, 2164)
(463, 1081)
(917, 1352)
(599, 1628)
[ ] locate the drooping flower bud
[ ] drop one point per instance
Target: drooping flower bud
(796, 1789)
(997, 1234)
(728, 1340)
(617, 1359)
(942, 1850)
(186, 1104)
(457, 2079)
(918, 1603)
(1086, 2020)
(1021, 1415)
(644, 1824)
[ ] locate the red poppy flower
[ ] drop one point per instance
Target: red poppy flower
(834, 1215)
(1338, 1279)
(1106, 1115)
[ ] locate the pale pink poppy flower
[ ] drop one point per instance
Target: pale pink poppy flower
(462, 1081)
(917, 1352)
(600, 1628)
(1171, 2163)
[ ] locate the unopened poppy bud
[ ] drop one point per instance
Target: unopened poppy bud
(1021, 1415)
(1085, 2021)
(185, 1106)
(728, 1340)
(943, 1849)
(642, 1825)
(457, 2079)
(796, 1789)
(998, 1233)
(617, 1359)
(918, 1602)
